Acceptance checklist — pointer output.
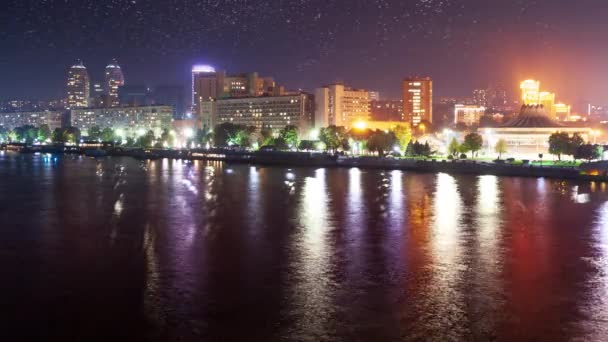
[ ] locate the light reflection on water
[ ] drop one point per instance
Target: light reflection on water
(205, 251)
(311, 295)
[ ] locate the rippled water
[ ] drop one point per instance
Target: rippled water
(176, 250)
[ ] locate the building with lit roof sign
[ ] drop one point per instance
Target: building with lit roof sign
(530, 92)
(418, 100)
(78, 87)
(114, 80)
(339, 105)
(468, 114)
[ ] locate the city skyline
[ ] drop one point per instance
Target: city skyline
(462, 45)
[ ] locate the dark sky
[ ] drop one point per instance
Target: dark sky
(371, 44)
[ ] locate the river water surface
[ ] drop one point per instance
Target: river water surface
(188, 251)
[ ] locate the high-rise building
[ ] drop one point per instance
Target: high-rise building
(467, 114)
(530, 92)
(207, 84)
(418, 100)
(547, 100)
(78, 86)
(341, 106)
(114, 80)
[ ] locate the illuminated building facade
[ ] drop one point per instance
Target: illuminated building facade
(248, 85)
(274, 112)
(129, 119)
(208, 114)
(562, 111)
(527, 135)
(547, 100)
(418, 100)
(209, 84)
(339, 105)
(530, 92)
(114, 80)
(468, 114)
(78, 87)
(36, 118)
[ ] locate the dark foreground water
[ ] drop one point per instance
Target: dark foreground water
(191, 251)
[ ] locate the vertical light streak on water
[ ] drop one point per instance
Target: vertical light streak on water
(254, 213)
(488, 219)
(313, 288)
(151, 294)
(486, 259)
(354, 210)
(447, 297)
(396, 196)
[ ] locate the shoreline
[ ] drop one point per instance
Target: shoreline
(308, 159)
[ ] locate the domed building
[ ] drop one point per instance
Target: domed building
(527, 135)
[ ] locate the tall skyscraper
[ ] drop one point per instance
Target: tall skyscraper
(341, 106)
(530, 92)
(418, 100)
(78, 86)
(114, 80)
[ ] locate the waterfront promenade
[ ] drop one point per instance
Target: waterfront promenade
(597, 171)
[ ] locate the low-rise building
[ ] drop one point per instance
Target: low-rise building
(527, 135)
(38, 118)
(130, 119)
(468, 114)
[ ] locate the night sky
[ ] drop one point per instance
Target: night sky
(462, 44)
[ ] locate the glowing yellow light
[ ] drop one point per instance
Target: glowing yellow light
(530, 92)
(360, 125)
(314, 134)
